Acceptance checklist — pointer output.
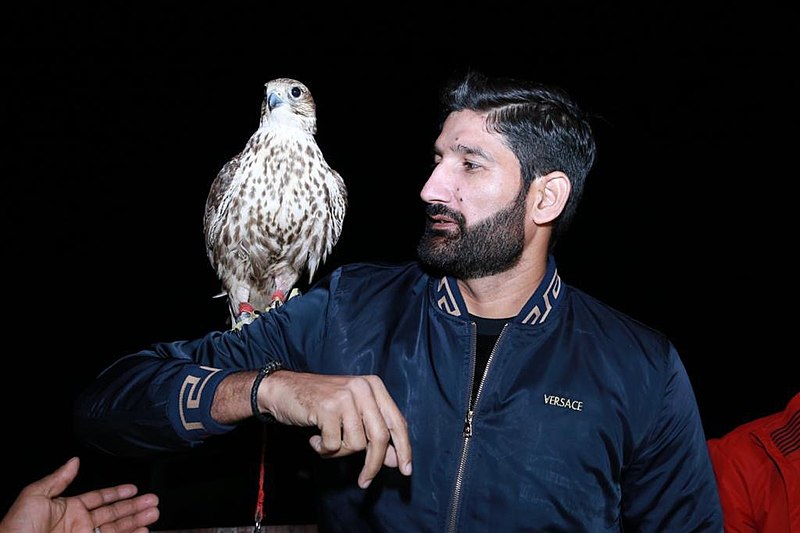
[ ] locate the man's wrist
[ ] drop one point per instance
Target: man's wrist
(266, 370)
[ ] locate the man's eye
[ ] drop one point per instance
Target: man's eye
(469, 165)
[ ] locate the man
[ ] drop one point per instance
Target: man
(527, 404)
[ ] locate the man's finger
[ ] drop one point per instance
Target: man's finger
(330, 440)
(397, 426)
(390, 459)
(377, 442)
(128, 514)
(401, 444)
(353, 435)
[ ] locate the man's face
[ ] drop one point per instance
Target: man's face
(476, 202)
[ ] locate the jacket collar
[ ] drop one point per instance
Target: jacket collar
(537, 310)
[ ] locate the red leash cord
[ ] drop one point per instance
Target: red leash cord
(260, 500)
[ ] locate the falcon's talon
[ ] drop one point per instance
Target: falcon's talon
(278, 299)
(244, 318)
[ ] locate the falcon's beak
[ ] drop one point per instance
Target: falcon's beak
(273, 101)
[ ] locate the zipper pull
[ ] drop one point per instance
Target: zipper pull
(468, 424)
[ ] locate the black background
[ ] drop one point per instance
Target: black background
(118, 117)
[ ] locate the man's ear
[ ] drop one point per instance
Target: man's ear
(550, 194)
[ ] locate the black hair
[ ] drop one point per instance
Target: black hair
(541, 124)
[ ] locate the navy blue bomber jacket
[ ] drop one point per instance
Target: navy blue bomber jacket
(585, 421)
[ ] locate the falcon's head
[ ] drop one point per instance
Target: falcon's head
(289, 103)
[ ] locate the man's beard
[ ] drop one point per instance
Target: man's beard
(489, 247)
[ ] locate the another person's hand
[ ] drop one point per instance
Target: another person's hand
(40, 509)
(353, 413)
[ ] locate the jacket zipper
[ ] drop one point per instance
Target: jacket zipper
(455, 501)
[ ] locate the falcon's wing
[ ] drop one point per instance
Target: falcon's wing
(337, 206)
(218, 199)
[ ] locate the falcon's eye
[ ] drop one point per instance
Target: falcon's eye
(296, 92)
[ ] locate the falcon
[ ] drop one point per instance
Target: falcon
(275, 210)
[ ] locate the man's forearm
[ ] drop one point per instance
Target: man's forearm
(232, 398)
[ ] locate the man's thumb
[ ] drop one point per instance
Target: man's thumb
(54, 484)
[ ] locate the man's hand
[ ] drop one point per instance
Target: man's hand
(353, 413)
(39, 508)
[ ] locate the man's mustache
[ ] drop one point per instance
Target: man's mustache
(441, 210)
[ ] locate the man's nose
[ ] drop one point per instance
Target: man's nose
(435, 189)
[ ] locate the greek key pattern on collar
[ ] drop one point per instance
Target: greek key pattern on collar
(447, 302)
(539, 314)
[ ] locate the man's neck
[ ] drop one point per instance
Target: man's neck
(503, 295)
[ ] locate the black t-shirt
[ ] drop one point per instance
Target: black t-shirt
(489, 330)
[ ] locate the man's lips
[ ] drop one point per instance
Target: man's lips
(441, 222)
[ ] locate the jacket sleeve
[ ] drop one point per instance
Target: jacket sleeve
(149, 402)
(669, 484)
(159, 399)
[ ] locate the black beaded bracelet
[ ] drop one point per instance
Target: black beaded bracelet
(268, 369)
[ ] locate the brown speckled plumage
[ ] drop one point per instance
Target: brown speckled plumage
(276, 209)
